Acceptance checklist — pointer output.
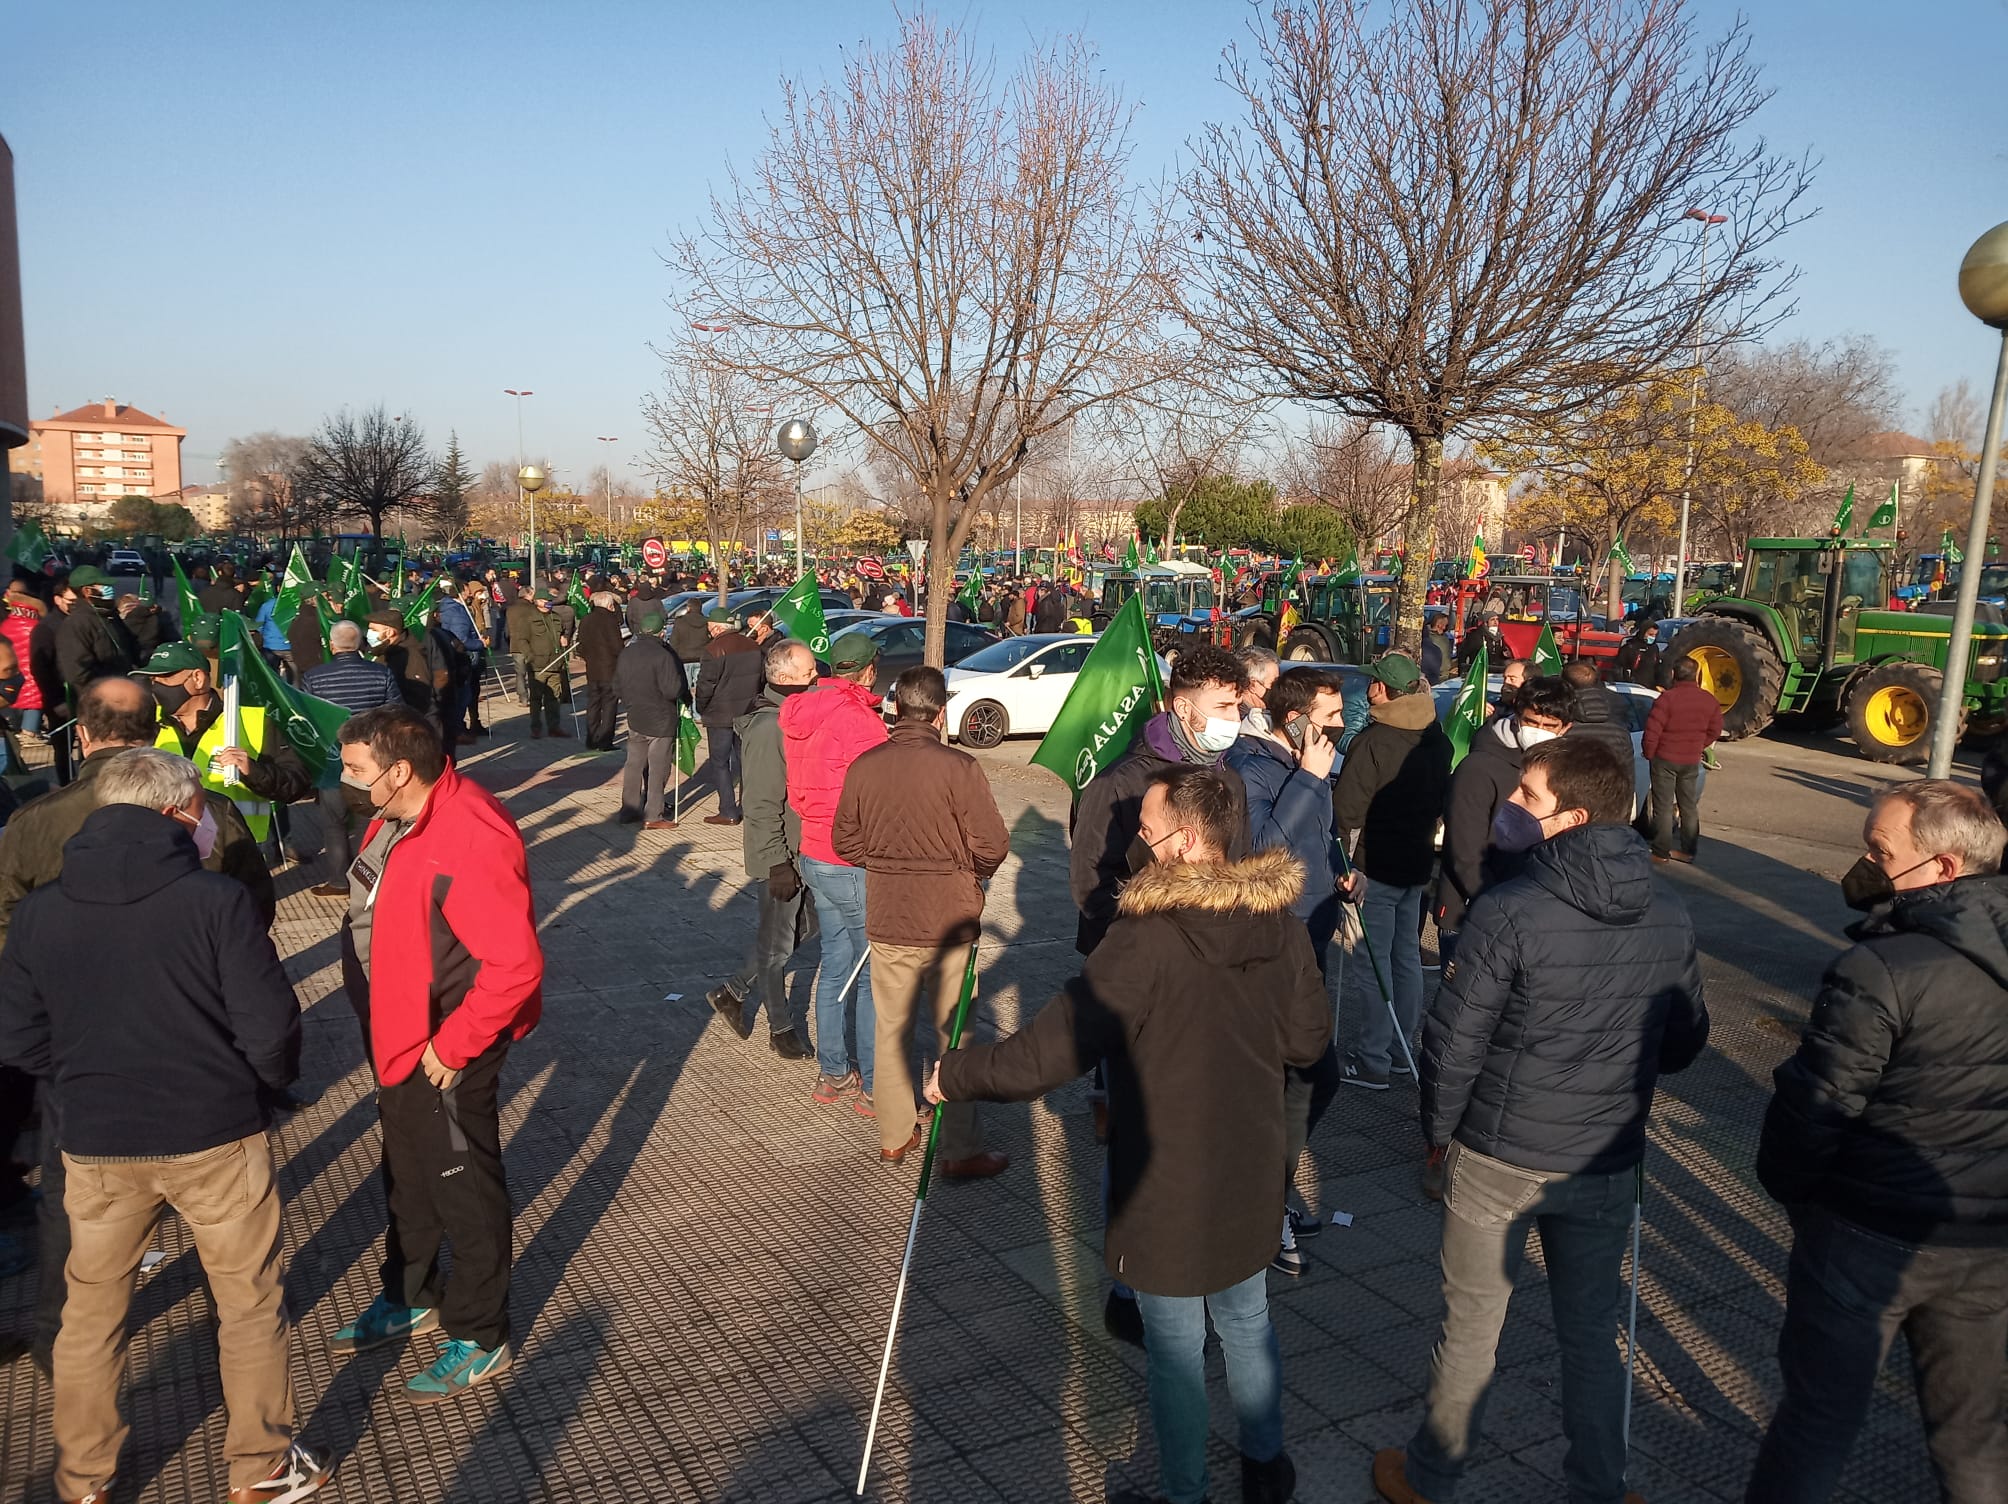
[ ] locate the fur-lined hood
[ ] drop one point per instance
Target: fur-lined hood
(1267, 882)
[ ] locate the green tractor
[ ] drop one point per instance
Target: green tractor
(1805, 632)
(1339, 618)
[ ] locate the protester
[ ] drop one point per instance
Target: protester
(273, 638)
(22, 616)
(1575, 986)
(1481, 784)
(1887, 1141)
(161, 1085)
(1261, 666)
(1390, 794)
(442, 965)
(423, 675)
(460, 627)
(689, 632)
(304, 648)
(650, 680)
(1438, 657)
(538, 638)
(1637, 657)
(1686, 720)
(1487, 631)
(600, 650)
(918, 816)
(1516, 673)
(356, 684)
(823, 733)
(728, 686)
(1600, 714)
(92, 641)
(771, 841)
(1200, 993)
(226, 593)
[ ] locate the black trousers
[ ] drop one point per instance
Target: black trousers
(603, 709)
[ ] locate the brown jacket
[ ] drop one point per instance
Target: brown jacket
(919, 817)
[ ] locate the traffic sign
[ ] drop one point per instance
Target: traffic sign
(870, 568)
(916, 550)
(653, 554)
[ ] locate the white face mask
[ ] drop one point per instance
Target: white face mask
(1531, 736)
(377, 636)
(1217, 735)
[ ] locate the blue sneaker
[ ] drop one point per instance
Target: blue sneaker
(460, 1367)
(383, 1322)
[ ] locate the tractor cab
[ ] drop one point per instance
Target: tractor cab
(1818, 588)
(1169, 590)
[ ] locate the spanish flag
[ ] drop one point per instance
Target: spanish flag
(1287, 623)
(1479, 563)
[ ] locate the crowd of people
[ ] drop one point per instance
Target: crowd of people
(1264, 825)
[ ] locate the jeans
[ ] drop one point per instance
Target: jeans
(786, 925)
(1675, 783)
(1174, 1340)
(840, 909)
(1392, 917)
(646, 775)
(31, 719)
(724, 770)
(1585, 1226)
(1848, 1292)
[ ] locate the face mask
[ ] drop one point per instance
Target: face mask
(784, 690)
(1216, 735)
(1141, 853)
(10, 689)
(170, 697)
(1516, 828)
(1865, 884)
(202, 832)
(1531, 736)
(377, 637)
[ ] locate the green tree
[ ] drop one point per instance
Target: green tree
(451, 509)
(1308, 531)
(136, 516)
(1221, 512)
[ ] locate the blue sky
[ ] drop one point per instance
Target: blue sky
(249, 215)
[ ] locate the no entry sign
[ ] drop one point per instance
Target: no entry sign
(653, 554)
(870, 568)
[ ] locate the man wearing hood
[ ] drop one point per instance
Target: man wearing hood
(1390, 795)
(1575, 986)
(1202, 991)
(1887, 1141)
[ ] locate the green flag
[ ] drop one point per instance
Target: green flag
(971, 596)
(687, 736)
(1350, 570)
(1468, 713)
(1116, 691)
(354, 598)
(188, 606)
(1150, 552)
(1952, 551)
(1846, 514)
(1622, 555)
(800, 611)
(419, 607)
(1547, 657)
(1885, 515)
(298, 579)
(1131, 555)
(577, 599)
(309, 724)
(29, 547)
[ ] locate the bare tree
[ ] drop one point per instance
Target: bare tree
(1837, 394)
(954, 265)
(1183, 434)
(1354, 467)
(369, 466)
(1471, 216)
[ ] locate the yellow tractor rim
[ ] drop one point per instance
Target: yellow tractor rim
(1720, 675)
(1896, 716)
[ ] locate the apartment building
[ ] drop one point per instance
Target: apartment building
(97, 453)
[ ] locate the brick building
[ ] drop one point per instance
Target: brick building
(95, 454)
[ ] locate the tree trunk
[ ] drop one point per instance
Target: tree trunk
(940, 586)
(1614, 599)
(718, 562)
(1419, 538)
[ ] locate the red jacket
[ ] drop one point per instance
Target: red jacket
(1685, 721)
(822, 733)
(454, 954)
(15, 626)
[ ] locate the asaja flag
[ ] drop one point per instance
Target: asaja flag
(310, 724)
(185, 600)
(1468, 714)
(1846, 514)
(1952, 551)
(419, 608)
(1547, 657)
(1885, 515)
(577, 599)
(801, 612)
(29, 547)
(970, 597)
(1131, 556)
(1622, 555)
(687, 736)
(1350, 570)
(1116, 691)
(292, 590)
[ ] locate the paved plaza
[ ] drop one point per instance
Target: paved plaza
(706, 1258)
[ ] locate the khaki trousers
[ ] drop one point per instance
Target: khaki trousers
(229, 1199)
(899, 972)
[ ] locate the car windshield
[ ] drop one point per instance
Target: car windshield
(1001, 656)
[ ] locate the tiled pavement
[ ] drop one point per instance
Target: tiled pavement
(706, 1258)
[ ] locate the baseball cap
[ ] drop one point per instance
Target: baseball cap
(853, 650)
(173, 658)
(88, 574)
(1397, 671)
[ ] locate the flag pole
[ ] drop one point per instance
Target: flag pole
(1631, 1325)
(1352, 912)
(913, 1225)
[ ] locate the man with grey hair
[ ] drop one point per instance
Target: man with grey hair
(163, 1084)
(1262, 667)
(772, 842)
(357, 684)
(1887, 1141)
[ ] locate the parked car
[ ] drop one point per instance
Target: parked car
(125, 561)
(1016, 686)
(901, 640)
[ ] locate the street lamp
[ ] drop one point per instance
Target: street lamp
(607, 438)
(530, 480)
(1983, 288)
(521, 471)
(797, 441)
(1708, 221)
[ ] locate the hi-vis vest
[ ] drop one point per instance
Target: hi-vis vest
(257, 813)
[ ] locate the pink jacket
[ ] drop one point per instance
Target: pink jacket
(15, 626)
(822, 733)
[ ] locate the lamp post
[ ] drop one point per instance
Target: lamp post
(797, 441)
(1708, 221)
(510, 391)
(607, 438)
(1983, 288)
(530, 480)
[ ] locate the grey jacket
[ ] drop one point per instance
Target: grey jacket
(772, 833)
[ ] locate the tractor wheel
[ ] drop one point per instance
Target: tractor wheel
(1890, 709)
(984, 725)
(1257, 632)
(1307, 646)
(1739, 668)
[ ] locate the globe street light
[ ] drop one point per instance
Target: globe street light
(530, 480)
(797, 441)
(1983, 288)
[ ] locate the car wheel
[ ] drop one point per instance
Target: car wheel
(984, 725)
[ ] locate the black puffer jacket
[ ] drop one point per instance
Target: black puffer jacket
(1575, 985)
(1894, 1113)
(1391, 789)
(1489, 772)
(1601, 715)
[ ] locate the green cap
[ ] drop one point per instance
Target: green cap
(207, 627)
(173, 658)
(88, 574)
(652, 624)
(853, 650)
(1397, 671)
(723, 615)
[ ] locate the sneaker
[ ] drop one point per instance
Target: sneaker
(1355, 1073)
(732, 1008)
(1288, 1260)
(788, 1045)
(298, 1474)
(1305, 1225)
(832, 1089)
(1122, 1320)
(1710, 761)
(861, 1104)
(460, 1366)
(1400, 1068)
(383, 1322)
(1685, 857)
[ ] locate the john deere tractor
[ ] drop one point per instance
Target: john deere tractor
(1805, 633)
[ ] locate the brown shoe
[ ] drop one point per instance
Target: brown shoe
(95, 1496)
(1391, 1477)
(894, 1156)
(976, 1167)
(721, 819)
(560, 731)
(1682, 856)
(330, 890)
(658, 825)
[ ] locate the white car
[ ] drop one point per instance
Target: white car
(1015, 687)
